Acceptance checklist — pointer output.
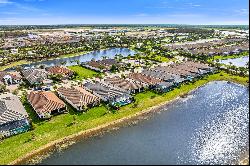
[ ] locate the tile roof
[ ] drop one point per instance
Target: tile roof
(11, 109)
(35, 75)
(144, 78)
(104, 91)
(60, 70)
(44, 102)
(122, 83)
(78, 96)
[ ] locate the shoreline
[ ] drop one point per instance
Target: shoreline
(25, 62)
(230, 57)
(102, 128)
(244, 160)
(71, 139)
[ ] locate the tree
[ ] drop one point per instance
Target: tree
(247, 65)
(18, 68)
(113, 68)
(229, 67)
(242, 71)
(63, 63)
(42, 66)
(137, 57)
(56, 77)
(78, 62)
(2, 88)
(104, 57)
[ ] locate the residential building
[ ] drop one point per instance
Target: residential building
(113, 95)
(78, 97)
(9, 78)
(13, 116)
(35, 76)
(130, 86)
(46, 103)
(60, 70)
(145, 80)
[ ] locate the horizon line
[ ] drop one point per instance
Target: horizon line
(118, 24)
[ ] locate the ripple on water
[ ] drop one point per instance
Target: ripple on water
(210, 126)
(224, 136)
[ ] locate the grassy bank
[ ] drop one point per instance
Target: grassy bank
(72, 55)
(83, 73)
(13, 64)
(225, 57)
(68, 124)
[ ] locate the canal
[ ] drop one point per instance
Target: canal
(209, 126)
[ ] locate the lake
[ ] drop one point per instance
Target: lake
(238, 62)
(210, 126)
(70, 61)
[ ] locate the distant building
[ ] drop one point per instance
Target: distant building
(102, 65)
(9, 78)
(13, 116)
(61, 70)
(35, 76)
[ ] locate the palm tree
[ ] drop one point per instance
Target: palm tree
(230, 66)
(78, 62)
(247, 65)
(233, 69)
(236, 69)
(137, 57)
(104, 57)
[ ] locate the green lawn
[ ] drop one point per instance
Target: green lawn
(162, 59)
(72, 54)
(157, 58)
(13, 64)
(67, 124)
(83, 73)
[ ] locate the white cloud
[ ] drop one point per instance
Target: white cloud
(141, 15)
(5, 2)
(193, 5)
(243, 12)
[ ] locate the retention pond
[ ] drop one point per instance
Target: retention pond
(209, 126)
(70, 61)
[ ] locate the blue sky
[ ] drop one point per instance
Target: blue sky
(124, 12)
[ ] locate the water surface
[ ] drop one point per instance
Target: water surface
(70, 61)
(210, 126)
(238, 62)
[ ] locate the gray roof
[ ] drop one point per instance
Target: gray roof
(11, 109)
(165, 84)
(104, 91)
(35, 75)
